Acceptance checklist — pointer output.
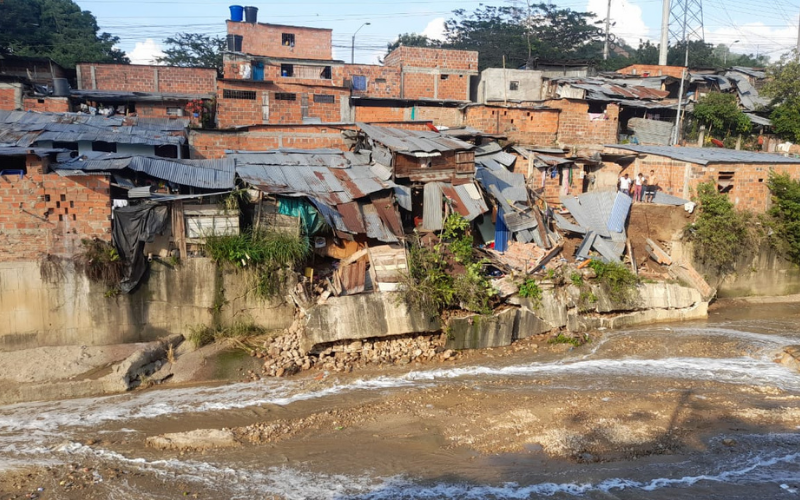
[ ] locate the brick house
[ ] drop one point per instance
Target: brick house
(742, 175)
(42, 212)
(146, 90)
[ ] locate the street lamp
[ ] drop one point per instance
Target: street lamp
(725, 58)
(353, 44)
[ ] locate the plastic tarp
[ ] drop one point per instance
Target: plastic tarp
(299, 207)
(501, 232)
(133, 227)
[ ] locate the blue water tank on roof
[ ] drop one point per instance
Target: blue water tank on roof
(237, 13)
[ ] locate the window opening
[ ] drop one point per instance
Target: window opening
(287, 39)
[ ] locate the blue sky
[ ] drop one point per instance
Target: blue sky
(768, 28)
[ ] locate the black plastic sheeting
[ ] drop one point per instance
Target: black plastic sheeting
(133, 227)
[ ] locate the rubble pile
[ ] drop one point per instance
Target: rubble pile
(284, 355)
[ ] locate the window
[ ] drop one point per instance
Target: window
(105, 147)
(285, 96)
(512, 85)
(444, 77)
(174, 111)
(380, 80)
(287, 70)
(287, 39)
(324, 98)
(326, 73)
(725, 181)
(359, 82)
(249, 95)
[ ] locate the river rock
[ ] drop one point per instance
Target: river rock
(200, 439)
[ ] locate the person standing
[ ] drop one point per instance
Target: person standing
(638, 183)
(625, 184)
(650, 190)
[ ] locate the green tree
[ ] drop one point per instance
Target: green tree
(519, 35)
(412, 40)
(57, 29)
(785, 214)
(720, 234)
(783, 88)
(721, 115)
(194, 50)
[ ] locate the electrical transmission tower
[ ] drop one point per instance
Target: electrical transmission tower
(686, 23)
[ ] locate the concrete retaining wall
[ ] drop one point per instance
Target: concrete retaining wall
(75, 311)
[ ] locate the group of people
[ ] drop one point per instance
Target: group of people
(641, 188)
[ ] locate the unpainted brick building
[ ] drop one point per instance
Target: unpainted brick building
(742, 175)
(42, 212)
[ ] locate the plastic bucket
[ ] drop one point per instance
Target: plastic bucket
(237, 11)
(251, 14)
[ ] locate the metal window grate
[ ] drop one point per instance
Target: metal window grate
(324, 98)
(249, 95)
(285, 96)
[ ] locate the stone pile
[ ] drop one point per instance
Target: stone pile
(284, 356)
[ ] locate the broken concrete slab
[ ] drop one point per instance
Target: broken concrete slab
(479, 332)
(364, 316)
(196, 440)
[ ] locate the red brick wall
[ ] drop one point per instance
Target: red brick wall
(749, 190)
(576, 129)
(265, 40)
(448, 117)
(242, 112)
(78, 207)
(423, 57)
(419, 86)
(453, 87)
(159, 109)
(142, 78)
(370, 114)
(8, 98)
(212, 144)
(47, 104)
(521, 125)
(652, 69)
(389, 88)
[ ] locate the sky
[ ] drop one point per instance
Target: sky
(769, 27)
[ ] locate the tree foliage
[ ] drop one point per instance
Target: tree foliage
(721, 114)
(521, 35)
(783, 88)
(57, 29)
(720, 234)
(785, 214)
(194, 50)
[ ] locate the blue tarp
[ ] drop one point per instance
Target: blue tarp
(501, 232)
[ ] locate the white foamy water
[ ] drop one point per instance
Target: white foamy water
(772, 462)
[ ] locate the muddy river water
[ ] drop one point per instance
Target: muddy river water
(689, 410)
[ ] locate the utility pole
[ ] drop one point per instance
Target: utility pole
(797, 49)
(664, 48)
(608, 26)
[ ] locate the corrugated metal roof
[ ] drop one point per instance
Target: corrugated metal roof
(332, 158)
(137, 96)
(600, 87)
(20, 151)
(206, 174)
(375, 226)
(591, 210)
(462, 200)
(619, 212)
(566, 225)
(432, 214)
(510, 185)
(24, 128)
(411, 141)
(662, 198)
(705, 156)
(748, 95)
(403, 196)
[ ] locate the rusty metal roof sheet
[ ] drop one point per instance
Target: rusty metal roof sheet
(25, 128)
(332, 158)
(206, 174)
(413, 141)
(466, 199)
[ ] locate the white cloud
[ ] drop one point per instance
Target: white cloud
(755, 38)
(626, 18)
(435, 29)
(145, 52)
